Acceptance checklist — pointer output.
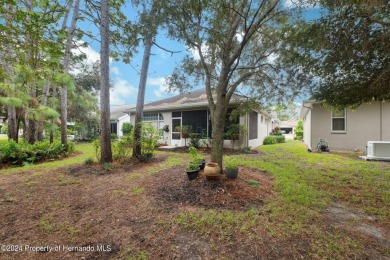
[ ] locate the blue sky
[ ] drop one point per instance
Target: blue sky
(125, 77)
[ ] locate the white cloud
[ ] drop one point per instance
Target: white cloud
(195, 54)
(115, 70)
(161, 84)
(121, 91)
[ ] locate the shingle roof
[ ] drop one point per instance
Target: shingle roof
(191, 98)
(117, 112)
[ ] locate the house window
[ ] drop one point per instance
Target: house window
(339, 121)
(253, 121)
(114, 128)
(156, 119)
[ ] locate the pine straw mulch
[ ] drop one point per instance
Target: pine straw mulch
(126, 208)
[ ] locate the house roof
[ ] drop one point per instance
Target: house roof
(288, 123)
(306, 106)
(117, 112)
(192, 99)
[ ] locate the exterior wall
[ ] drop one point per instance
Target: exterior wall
(263, 128)
(307, 129)
(120, 122)
(362, 125)
(385, 122)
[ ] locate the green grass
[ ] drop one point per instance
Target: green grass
(3, 139)
(85, 151)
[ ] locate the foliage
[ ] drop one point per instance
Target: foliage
(19, 153)
(149, 138)
(88, 161)
(299, 126)
(230, 164)
(276, 131)
(194, 141)
(194, 163)
(114, 137)
(235, 132)
(274, 139)
(122, 149)
(185, 131)
(344, 55)
(127, 128)
(4, 129)
(236, 45)
(287, 111)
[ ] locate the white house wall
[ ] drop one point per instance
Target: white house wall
(362, 125)
(307, 129)
(121, 121)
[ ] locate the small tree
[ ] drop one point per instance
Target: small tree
(185, 131)
(235, 132)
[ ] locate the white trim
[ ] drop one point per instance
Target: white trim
(345, 123)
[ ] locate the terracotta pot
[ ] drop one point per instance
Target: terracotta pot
(212, 171)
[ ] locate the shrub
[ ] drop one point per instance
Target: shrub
(122, 149)
(274, 139)
(194, 141)
(4, 129)
(24, 153)
(88, 161)
(114, 137)
(269, 140)
(127, 128)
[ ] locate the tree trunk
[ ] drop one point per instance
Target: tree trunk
(12, 124)
(64, 89)
(12, 121)
(141, 97)
(45, 94)
(218, 117)
(105, 138)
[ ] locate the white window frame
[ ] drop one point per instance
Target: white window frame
(338, 117)
(156, 118)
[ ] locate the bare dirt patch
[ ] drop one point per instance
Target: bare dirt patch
(361, 225)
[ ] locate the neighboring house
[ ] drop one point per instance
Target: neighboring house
(348, 129)
(288, 126)
(118, 117)
(192, 109)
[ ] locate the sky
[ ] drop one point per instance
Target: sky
(125, 77)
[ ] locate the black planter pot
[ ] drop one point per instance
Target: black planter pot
(202, 164)
(192, 174)
(232, 173)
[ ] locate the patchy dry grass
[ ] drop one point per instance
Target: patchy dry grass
(286, 204)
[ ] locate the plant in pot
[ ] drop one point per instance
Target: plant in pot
(231, 169)
(192, 169)
(185, 131)
(235, 132)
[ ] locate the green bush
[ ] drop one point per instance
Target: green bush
(274, 139)
(269, 140)
(22, 153)
(4, 129)
(114, 137)
(127, 128)
(299, 133)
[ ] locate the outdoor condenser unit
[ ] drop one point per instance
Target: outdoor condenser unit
(378, 150)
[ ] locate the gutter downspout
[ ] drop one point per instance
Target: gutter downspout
(311, 124)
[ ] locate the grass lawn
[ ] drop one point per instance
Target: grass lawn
(286, 204)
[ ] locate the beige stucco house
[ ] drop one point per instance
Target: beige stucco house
(348, 129)
(192, 109)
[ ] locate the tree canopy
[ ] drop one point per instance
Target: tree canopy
(345, 55)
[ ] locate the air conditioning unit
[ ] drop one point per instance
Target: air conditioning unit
(378, 150)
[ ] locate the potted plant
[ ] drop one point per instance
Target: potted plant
(231, 169)
(185, 131)
(192, 169)
(235, 132)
